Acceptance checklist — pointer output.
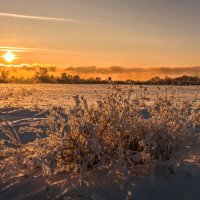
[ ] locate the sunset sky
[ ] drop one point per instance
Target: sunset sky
(102, 33)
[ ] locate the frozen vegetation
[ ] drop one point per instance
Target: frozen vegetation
(123, 142)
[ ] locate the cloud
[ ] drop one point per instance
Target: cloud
(41, 50)
(177, 70)
(119, 69)
(102, 70)
(31, 17)
(109, 70)
(116, 72)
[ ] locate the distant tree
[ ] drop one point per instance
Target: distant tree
(4, 76)
(76, 79)
(42, 76)
(52, 79)
(98, 79)
(168, 81)
(65, 78)
(155, 80)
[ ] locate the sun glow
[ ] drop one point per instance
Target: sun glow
(9, 56)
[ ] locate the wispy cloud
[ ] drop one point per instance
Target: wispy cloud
(14, 49)
(24, 49)
(31, 17)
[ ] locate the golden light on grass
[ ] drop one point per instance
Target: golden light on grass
(9, 56)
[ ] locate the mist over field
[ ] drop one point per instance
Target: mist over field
(116, 72)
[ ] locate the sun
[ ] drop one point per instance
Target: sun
(9, 56)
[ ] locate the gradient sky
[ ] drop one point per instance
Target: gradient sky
(130, 33)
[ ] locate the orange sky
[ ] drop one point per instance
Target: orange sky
(103, 33)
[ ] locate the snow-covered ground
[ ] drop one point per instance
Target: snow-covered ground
(99, 185)
(23, 107)
(45, 95)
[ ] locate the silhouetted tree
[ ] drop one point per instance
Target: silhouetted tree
(4, 76)
(65, 78)
(42, 76)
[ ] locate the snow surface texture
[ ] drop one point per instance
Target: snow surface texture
(125, 142)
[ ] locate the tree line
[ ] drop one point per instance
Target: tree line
(42, 76)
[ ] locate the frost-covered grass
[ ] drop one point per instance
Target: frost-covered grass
(123, 131)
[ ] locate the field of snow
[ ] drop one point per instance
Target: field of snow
(99, 142)
(45, 95)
